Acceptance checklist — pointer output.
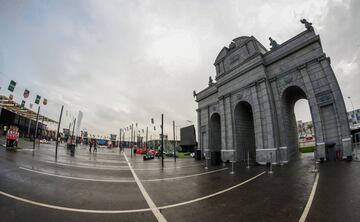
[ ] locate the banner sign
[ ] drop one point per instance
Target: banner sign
(26, 93)
(37, 100)
(12, 86)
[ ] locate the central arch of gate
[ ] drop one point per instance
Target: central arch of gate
(247, 112)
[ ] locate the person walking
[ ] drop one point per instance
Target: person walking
(95, 145)
(90, 145)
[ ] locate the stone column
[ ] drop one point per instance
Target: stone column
(315, 113)
(222, 112)
(340, 109)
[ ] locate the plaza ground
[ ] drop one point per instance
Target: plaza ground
(101, 187)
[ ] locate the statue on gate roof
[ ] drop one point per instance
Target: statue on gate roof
(308, 25)
(273, 43)
(211, 82)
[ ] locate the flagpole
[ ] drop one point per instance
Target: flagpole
(36, 126)
(131, 145)
(73, 131)
(58, 132)
(174, 140)
(120, 139)
(146, 138)
(162, 141)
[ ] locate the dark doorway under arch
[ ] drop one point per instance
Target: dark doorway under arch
(215, 133)
(245, 132)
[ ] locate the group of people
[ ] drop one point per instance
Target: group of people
(93, 143)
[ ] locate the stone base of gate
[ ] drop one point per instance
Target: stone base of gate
(228, 155)
(347, 148)
(320, 151)
(268, 155)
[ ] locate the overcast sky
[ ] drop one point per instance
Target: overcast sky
(124, 62)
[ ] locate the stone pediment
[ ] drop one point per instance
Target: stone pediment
(238, 51)
(221, 54)
(240, 40)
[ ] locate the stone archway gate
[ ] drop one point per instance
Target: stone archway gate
(247, 71)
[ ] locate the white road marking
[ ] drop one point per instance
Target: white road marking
(112, 167)
(124, 211)
(87, 167)
(186, 176)
(167, 167)
(24, 149)
(119, 181)
(149, 201)
(310, 200)
(79, 178)
(211, 195)
(73, 209)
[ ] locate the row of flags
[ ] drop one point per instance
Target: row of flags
(128, 128)
(26, 94)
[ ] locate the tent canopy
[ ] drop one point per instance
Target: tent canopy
(14, 107)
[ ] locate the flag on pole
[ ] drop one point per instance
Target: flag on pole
(37, 100)
(12, 86)
(26, 93)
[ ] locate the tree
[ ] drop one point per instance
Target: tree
(310, 127)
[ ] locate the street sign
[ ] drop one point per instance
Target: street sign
(37, 100)
(12, 86)
(22, 104)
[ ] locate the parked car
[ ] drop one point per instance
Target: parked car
(44, 141)
(141, 151)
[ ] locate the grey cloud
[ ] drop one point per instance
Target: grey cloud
(129, 61)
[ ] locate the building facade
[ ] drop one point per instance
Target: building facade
(248, 112)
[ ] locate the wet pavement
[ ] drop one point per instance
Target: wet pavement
(101, 187)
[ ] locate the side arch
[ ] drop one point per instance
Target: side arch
(215, 132)
(244, 132)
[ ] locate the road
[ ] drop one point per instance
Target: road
(113, 186)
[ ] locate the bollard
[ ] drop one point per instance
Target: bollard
(270, 171)
(248, 160)
(281, 161)
(315, 170)
(206, 163)
(232, 168)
